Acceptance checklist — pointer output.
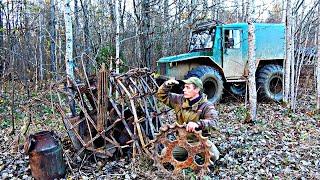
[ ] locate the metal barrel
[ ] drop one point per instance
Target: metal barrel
(45, 156)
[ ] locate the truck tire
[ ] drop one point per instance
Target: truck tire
(211, 79)
(238, 89)
(269, 82)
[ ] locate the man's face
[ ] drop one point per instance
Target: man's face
(190, 91)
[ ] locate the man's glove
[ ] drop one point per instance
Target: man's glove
(171, 82)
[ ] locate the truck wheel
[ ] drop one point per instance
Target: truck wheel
(238, 89)
(211, 79)
(269, 82)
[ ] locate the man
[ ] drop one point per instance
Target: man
(191, 107)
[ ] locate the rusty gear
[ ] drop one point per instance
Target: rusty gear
(163, 146)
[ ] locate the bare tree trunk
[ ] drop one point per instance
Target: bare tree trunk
(41, 39)
(52, 39)
(8, 33)
(303, 35)
(146, 44)
(26, 52)
(217, 9)
(86, 33)
(252, 68)
(1, 27)
(166, 32)
(236, 11)
(12, 97)
(243, 10)
(318, 64)
(2, 59)
(287, 67)
(26, 47)
(191, 12)
(117, 16)
(178, 21)
(12, 44)
(204, 11)
(70, 67)
(59, 41)
(123, 10)
(69, 41)
(76, 32)
(112, 13)
(292, 68)
(138, 48)
(178, 9)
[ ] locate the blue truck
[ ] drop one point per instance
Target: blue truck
(218, 55)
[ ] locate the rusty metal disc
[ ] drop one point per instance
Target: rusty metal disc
(172, 141)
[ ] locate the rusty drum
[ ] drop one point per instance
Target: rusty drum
(45, 155)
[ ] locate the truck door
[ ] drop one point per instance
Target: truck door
(233, 64)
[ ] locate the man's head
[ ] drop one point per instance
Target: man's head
(192, 88)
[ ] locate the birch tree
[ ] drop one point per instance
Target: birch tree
(70, 65)
(117, 35)
(292, 63)
(69, 61)
(252, 67)
(287, 66)
(69, 41)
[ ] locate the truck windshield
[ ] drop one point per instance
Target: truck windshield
(201, 40)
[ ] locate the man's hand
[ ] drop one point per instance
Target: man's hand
(171, 82)
(192, 126)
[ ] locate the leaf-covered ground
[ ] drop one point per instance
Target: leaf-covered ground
(279, 145)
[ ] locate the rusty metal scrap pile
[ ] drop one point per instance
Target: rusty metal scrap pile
(118, 113)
